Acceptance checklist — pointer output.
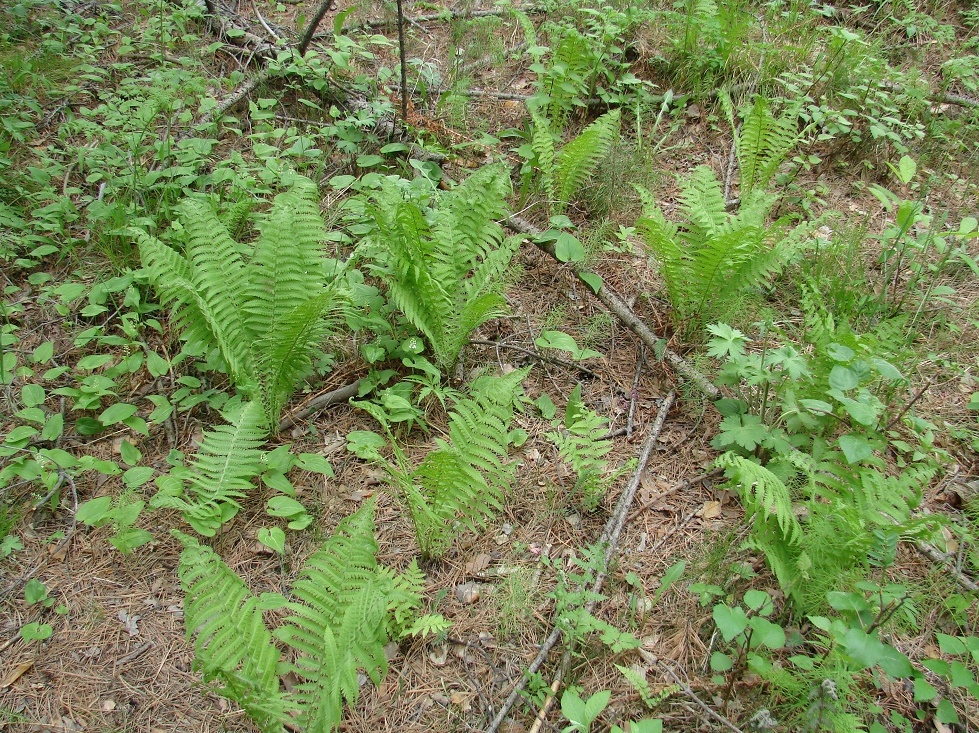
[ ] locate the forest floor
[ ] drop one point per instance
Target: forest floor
(119, 658)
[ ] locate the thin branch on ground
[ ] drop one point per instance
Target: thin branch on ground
(686, 690)
(536, 355)
(917, 396)
(610, 534)
(686, 484)
(620, 309)
(341, 394)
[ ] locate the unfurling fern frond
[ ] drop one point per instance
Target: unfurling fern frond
(231, 643)
(581, 445)
(341, 610)
(263, 312)
(208, 489)
(444, 266)
(464, 480)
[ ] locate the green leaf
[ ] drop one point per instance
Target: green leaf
(53, 427)
(314, 463)
(843, 378)
(137, 476)
(93, 361)
(117, 413)
(35, 591)
(43, 353)
(128, 539)
(730, 621)
(757, 600)
(20, 434)
(567, 248)
(546, 406)
(285, 506)
(32, 395)
(35, 632)
(720, 662)
(156, 365)
(746, 431)
(766, 633)
(365, 444)
(593, 281)
(130, 453)
(855, 448)
(94, 511)
(273, 538)
(88, 426)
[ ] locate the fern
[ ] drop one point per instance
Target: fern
(263, 312)
(207, 490)
(463, 481)
(341, 612)
(231, 642)
(444, 267)
(763, 143)
(715, 256)
(563, 173)
(582, 447)
(768, 507)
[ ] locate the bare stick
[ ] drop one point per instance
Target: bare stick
(539, 357)
(322, 10)
(918, 395)
(686, 689)
(610, 534)
(618, 307)
(678, 487)
(317, 403)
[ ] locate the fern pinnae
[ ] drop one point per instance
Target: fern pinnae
(542, 143)
(231, 642)
(577, 161)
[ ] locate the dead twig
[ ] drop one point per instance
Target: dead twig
(619, 308)
(686, 690)
(341, 394)
(536, 355)
(686, 484)
(610, 534)
(904, 410)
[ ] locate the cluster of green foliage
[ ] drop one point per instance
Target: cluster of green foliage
(121, 158)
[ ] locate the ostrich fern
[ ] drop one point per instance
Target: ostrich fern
(265, 308)
(563, 172)
(713, 257)
(444, 264)
(464, 480)
(341, 614)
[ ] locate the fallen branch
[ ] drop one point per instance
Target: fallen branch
(536, 355)
(629, 319)
(686, 690)
(610, 534)
(341, 394)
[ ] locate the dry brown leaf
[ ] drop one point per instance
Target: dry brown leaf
(478, 564)
(15, 674)
(467, 592)
(710, 510)
(461, 700)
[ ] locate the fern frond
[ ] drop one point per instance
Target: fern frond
(582, 447)
(764, 143)
(765, 497)
(702, 201)
(219, 474)
(464, 480)
(231, 643)
(285, 271)
(337, 624)
(542, 143)
(577, 161)
(287, 353)
(218, 275)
